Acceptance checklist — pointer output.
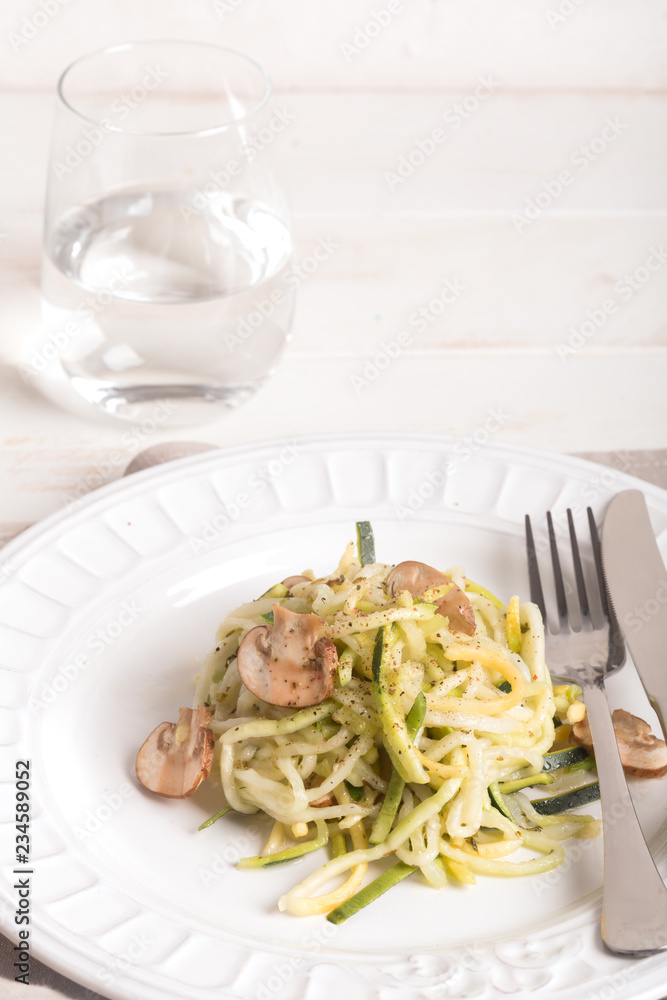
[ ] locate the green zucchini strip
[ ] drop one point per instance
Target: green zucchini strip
(211, 820)
(497, 800)
(568, 800)
(476, 588)
(290, 853)
(356, 792)
(563, 758)
(345, 664)
(392, 799)
(338, 845)
(507, 787)
(371, 892)
(365, 542)
(277, 590)
(587, 764)
(403, 753)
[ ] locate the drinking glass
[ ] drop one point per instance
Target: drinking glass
(167, 239)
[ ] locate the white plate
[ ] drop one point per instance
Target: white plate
(104, 613)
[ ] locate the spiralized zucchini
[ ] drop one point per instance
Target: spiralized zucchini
(488, 717)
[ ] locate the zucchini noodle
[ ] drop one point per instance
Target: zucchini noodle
(422, 718)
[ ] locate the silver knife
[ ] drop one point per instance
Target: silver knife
(637, 582)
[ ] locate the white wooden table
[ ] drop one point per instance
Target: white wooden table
(511, 342)
(555, 336)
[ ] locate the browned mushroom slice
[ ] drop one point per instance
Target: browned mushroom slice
(291, 664)
(642, 754)
(324, 801)
(417, 577)
(176, 757)
(292, 581)
(457, 608)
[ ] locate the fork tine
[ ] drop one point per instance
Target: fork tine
(558, 573)
(578, 568)
(597, 556)
(605, 603)
(536, 593)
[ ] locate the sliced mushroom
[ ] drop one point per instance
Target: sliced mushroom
(291, 664)
(176, 757)
(329, 799)
(324, 801)
(642, 754)
(292, 581)
(417, 577)
(456, 607)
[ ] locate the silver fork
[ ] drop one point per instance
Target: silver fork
(634, 897)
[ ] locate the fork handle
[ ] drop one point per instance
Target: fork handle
(634, 897)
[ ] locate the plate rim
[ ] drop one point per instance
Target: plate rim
(97, 501)
(129, 483)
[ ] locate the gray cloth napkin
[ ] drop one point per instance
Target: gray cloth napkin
(45, 984)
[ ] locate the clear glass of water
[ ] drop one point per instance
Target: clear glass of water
(167, 240)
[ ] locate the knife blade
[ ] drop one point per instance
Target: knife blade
(637, 583)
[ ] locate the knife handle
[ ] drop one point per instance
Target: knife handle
(634, 896)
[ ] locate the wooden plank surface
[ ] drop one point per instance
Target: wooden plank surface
(526, 332)
(421, 44)
(336, 151)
